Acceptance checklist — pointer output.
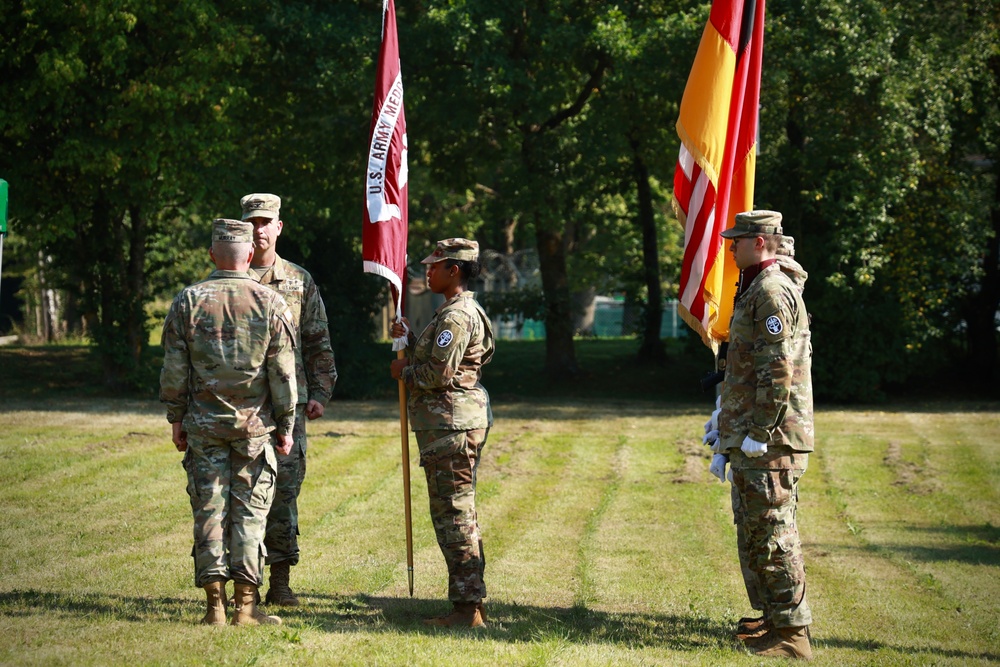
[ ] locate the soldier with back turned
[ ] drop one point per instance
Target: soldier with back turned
(228, 381)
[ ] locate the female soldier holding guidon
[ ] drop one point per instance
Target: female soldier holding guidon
(450, 414)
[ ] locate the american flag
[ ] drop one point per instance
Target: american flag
(714, 179)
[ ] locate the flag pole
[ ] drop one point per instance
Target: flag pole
(384, 226)
(404, 438)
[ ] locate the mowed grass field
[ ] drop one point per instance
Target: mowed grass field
(607, 541)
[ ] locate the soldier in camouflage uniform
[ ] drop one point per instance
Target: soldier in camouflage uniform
(450, 414)
(228, 381)
(751, 627)
(316, 375)
(766, 426)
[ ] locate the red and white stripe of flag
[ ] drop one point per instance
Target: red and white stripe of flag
(714, 178)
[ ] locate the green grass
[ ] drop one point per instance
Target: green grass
(607, 541)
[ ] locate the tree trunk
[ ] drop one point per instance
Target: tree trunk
(560, 355)
(981, 315)
(135, 325)
(651, 350)
(109, 279)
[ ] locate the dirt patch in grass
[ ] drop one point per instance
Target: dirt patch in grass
(914, 477)
(692, 469)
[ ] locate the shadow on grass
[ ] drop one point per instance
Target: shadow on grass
(519, 623)
(927, 651)
(509, 622)
(968, 544)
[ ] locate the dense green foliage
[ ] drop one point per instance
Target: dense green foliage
(127, 126)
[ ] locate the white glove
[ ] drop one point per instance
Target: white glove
(712, 426)
(713, 422)
(752, 448)
(718, 467)
(403, 341)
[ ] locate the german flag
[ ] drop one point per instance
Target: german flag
(714, 179)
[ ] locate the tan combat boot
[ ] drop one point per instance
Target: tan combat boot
(752, 628)
(786, 643)
(245, 599)
(279, 592)
(465, 614)
(216, 614)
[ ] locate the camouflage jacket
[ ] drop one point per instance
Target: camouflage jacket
(228, 359)
(768, 385)
(315, 369)
(446, 363)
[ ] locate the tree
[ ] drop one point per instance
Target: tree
(505, 89)
(114, 110)
(858, 117)
(633, 134)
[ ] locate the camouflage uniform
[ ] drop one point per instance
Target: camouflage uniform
(786, 261)
(768, 396)
(316, 375)
(450, 414)
(743, 551)
(229, 377)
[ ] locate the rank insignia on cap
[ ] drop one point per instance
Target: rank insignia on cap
(261, 205)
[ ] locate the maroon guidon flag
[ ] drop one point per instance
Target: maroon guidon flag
(383, 238)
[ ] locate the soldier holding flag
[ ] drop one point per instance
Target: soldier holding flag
(450, 413)
(766, 427)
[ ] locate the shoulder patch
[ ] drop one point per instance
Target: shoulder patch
(444, 338)
(773, 324)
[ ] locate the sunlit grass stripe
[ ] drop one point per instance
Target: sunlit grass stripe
(875, 529)
(351, 514)
(587, 592)
(514, 515)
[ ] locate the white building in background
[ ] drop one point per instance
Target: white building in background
(609, 316)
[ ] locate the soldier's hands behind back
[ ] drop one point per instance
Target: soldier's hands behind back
(752, 448)
(283, 444)
(179, 436)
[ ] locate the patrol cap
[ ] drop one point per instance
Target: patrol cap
(754, 223)
(261, 205)
(460, 249)
(231, 231)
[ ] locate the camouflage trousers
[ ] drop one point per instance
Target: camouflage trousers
(450, 460)
(282, 538)
(749, 577)
(231, 486)
(768, 493)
